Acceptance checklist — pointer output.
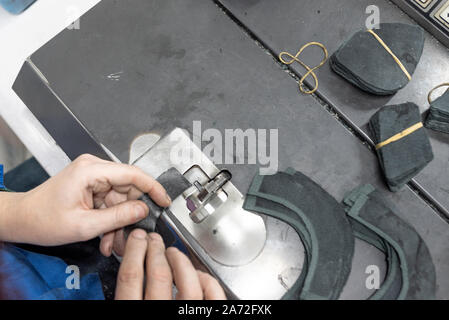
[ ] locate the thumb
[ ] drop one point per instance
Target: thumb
(105, 220)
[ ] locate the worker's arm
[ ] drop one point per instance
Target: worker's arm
(88, 198)
(146, 255)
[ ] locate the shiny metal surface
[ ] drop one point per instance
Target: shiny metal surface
(279, 264)
(207, 197)
(270, 275)
(230, 243)
(231, 236)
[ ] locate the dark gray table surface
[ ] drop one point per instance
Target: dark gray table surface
(286, 25)
(185, 60)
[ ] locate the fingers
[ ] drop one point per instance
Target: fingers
(102, 221)
(113, 185)
(159, 276)
(131, 272)
(185, 276)
(123, 175)
(130, 191)
(162, 267)
(119, 243)
(106, 244)
(113, 198)
(210, 286)
(113, 241)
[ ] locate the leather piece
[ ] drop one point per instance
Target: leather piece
(403, 159)
(365, 63)
(328, 236)
(391, 286)
(306, 223)
(438, 117)
(175, 184)
(368, 207)
(276, 210)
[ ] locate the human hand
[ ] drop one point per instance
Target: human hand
(88, 198)
(146, 255)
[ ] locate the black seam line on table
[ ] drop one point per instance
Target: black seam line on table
(339, 115)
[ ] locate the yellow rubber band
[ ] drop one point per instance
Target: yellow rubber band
(310, 71)
(400, 135)
(392, 54)
(429, 97)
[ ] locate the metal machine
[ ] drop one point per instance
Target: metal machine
(237, 246)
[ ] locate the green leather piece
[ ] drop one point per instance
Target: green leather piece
(305, 226)
(438, 117)
(365, 63)
(369, 208)
(391, 286)
(392, 283)
(403, 159)
(327, 235)
(175, 184)
(321, 223)
(273, 209)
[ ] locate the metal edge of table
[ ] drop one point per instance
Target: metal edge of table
(60, 123)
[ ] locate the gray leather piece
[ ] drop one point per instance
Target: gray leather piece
(285, 25)
(328, 237)
(225, 80)
(403, 159)
(315, 254)
(438, 117)
(363, 61)
(267, 207)
(368, 207)
(175, 184)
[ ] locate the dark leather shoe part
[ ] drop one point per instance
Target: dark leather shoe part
(369, 62)
(438, 117)
(328, 232)
(404, 158)
(320, 222)
(366, 206)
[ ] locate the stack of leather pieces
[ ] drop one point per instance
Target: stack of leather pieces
(438, 117)
(402, 144)
(365, 61)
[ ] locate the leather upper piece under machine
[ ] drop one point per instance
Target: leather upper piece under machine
(369, 208)
(366, 63)
(322, 224)
(403, 159)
